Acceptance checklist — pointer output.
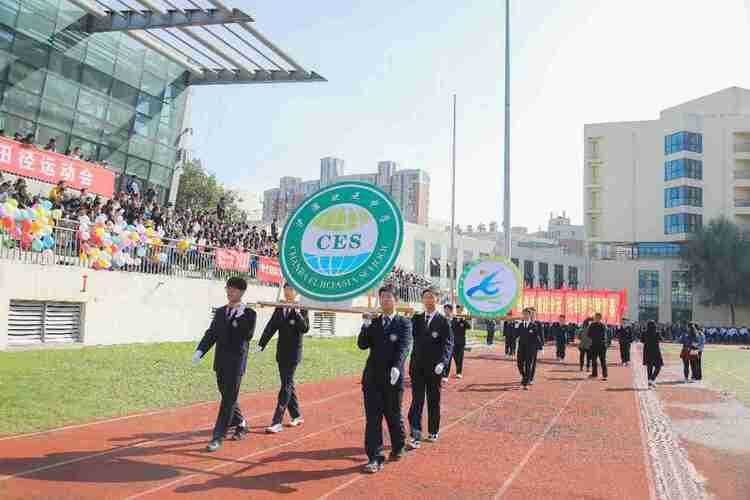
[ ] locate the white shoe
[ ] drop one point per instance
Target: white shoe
(297, 422)
(531, 382)
(274, 429)
(431, 438)
(686, 381)
(459, 376)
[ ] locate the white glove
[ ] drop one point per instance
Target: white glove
(439, 369)
(197, 355)
(257, 349)
(395, 373)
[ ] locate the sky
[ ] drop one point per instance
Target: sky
(393, 65)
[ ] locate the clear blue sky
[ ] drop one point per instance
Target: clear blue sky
(393, 65)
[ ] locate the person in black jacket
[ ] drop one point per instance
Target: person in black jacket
(231, 330)
(433, 345)
(598, 336)
(459, 326)
(529, 338)
(491, 331)
(509, 333)
(291, 324)
(559, 333)
(625, 337)
(388, 337)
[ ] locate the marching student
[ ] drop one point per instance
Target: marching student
(231, 330)
(559, 332)
(652, 358)
(491, 331)
(539, 343)
(598, 336)
(625, 338)
(584, 345)
(291, 324)
(388, 337)
(448, 313)
(459, 326)
(528, 333)
(509, 328)
(433, 344)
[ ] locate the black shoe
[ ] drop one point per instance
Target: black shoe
(239, 432)
(397, 455)
(213, 445)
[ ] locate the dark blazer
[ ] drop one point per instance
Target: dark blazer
(558, 331)
(459, 327)
(529, 337)
(651, 348)
(388, 349)
(291, 330)
(433, 344)
(232, 338)
(598, 335)
(625, 334)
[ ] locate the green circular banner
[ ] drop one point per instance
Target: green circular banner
(341, 241)
(490, 287)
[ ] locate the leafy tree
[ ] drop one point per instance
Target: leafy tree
(201, 190)
(718, 256)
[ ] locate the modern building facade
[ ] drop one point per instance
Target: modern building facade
(649, 185)
(409, 188)
(91, 76)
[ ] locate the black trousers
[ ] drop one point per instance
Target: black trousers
(560, 348)
(652, 371)
(598, 353)
(697, 365)
(381, 401)
(458, 357)
(490, 338)
(584, 354)
(625, 352)
(287, 394)
(424, 382)
(526, 363)
(509, 341)
(229, 410)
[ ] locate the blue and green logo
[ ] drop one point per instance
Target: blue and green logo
(341, 241)
(490, 287)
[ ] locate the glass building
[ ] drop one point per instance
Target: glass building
(105, 92)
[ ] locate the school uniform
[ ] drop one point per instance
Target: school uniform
(598, 336)
(529, 340)
(559, 333)
(388, 339)
(459, 326)
(231, 331)
(433, 344)
(291, 324)
(625, 336)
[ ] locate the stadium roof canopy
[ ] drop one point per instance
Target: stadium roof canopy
(215, 44)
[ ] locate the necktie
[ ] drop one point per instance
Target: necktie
(286, 312)
(386, 321)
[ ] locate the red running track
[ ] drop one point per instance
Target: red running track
(566, 438)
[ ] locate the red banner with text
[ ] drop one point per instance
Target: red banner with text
(576, 305)
(28, 161)
(232, 260)
(269, 270)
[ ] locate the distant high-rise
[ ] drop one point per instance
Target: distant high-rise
(409, 188)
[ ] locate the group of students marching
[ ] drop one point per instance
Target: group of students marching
(434, 341)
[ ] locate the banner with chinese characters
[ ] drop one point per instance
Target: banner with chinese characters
(269, 270)
(232, 260)
(46, 166)
(576, 305)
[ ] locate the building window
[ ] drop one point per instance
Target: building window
(528, 273)
(683, 141)
(559, 275)
(657, 250)
(683, 196)
(682, 223)
(419, 255)
(435, 255)
(543, 275)
(682, 297)
(683, 168)
(648, 295)
(573, 277)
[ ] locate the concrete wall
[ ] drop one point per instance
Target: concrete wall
(122, 308)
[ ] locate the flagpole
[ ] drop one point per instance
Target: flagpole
(506, 191)
(452, 258)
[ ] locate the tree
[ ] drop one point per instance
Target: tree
(201, 190)
(718, 256)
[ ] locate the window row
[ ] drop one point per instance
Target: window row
(657, 250)
(683, 141)
(683, 196)
(682, 223)
(683, 168)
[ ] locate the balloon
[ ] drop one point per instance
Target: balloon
(57, 214)
(13, 202)
(141, 251)
(85, 236)
(37, 246)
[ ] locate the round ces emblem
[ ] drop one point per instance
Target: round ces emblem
(341, 241)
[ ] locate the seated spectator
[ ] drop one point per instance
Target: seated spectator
(51, 145)
(76, 154)
(56, 194)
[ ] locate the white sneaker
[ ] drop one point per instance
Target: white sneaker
(686, 381)
(431, 438)
(274, 429)
(297, 422)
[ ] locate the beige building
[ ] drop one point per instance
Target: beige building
(648, 185)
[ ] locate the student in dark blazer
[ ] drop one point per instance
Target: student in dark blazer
(598, 336)
(388, 338)
(459, 326)
(231, 330)
(559, 332)
(291, 323)
(529, 338)
(433, 345)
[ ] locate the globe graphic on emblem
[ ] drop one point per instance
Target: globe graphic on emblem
(339, 239)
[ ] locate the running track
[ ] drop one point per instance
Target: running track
(566, 438)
